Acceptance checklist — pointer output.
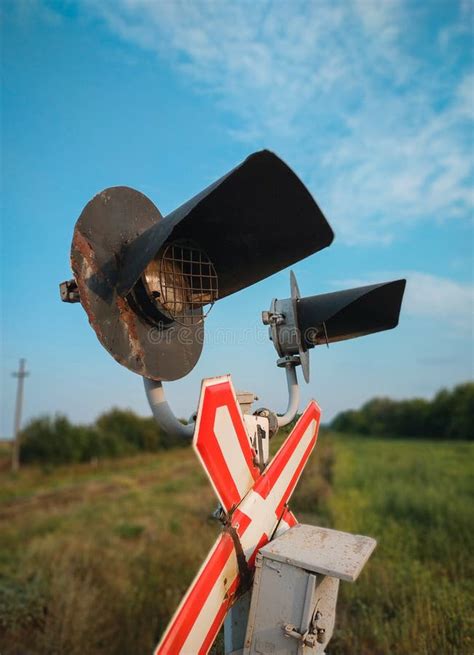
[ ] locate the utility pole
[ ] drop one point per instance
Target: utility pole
(21, 374)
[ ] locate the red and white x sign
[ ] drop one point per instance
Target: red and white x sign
(255, 502)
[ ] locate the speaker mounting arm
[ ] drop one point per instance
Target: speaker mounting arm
(163, 414)
(289, 363)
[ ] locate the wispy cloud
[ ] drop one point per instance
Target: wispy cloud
(432, 296)
(367, 99)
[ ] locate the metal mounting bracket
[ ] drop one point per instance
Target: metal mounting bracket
(282, 319)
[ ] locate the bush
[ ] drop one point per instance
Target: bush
(447, 416)
(54, 440)
(129, 432)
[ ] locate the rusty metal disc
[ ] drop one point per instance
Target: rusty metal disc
(108, 224)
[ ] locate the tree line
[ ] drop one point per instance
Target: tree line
(450, 415)
(116, 433)
(55, 440)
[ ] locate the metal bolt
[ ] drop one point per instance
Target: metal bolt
(270, 318)
(266, 317)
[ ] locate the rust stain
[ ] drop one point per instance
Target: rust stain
(105, 197)
(83, 267)
(129, 318)
(82, 245)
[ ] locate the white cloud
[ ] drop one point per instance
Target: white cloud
(449, 301)
(382, 135)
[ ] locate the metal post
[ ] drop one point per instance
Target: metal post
(21, 374)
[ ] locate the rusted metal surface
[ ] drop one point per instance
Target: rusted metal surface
(109, 222)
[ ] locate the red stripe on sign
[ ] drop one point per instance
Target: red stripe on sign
(219, 620)
(240, 521)
(289, 518)
(269, 477)
(262, 542)
(182, 623)
(296, 475)
(219, 395)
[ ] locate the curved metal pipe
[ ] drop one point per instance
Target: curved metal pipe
(293, 396)
(163, 413)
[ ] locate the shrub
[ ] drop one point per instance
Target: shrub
(448, 416)
(130, 433)
(54, 440)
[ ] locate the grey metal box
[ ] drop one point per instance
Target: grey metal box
(294, 595)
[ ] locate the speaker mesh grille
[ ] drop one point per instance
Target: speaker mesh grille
(188, 282)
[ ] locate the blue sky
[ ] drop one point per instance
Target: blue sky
(371, 103)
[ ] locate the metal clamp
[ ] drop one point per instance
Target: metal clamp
(315, 634)
(317, 629)
(306, 639)
(288, 359)
(69, 291)
(272, 318)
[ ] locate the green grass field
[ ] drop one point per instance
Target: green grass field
(94, 559)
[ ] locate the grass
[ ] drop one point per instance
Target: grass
(416, 499)
(94, 559)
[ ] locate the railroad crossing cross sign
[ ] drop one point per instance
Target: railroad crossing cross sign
(255, 504)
